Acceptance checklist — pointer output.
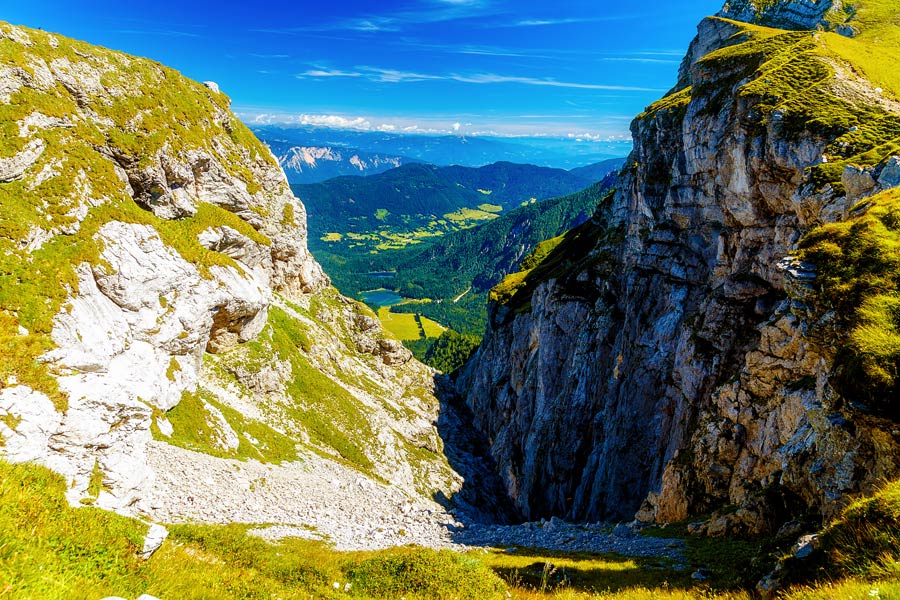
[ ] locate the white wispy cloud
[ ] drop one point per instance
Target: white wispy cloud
(380, 75)
(483, 78)
(369, 24)
(269, 56)
(637, 56)
(429, 11)
(158, 32)
(553, 21)
(543, 22)
(323, 72)
(637, 59)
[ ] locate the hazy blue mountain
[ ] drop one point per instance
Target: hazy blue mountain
(598, 171)
(470, 151)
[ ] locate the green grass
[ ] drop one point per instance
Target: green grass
(432, 329)
(874, 52)
(490, 208)
(865, 540)
(465, 217)
(858, 281)
(411, 574)
(336, 422)
(196, 429)
(52, 551)
(403, 326)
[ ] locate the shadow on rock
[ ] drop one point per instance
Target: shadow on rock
(482, 498)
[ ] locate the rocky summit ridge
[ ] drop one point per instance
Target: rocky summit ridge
(700, 343)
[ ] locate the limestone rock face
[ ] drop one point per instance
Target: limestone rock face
(668, 363)
(786, 14)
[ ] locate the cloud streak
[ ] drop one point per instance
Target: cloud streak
(158, 32)
(555, 21)
(379, 75)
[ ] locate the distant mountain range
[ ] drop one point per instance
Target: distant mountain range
(563, 153)
(313, 164)
(433, 232)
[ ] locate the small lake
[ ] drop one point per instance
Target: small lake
(381, 297)
(382, 274)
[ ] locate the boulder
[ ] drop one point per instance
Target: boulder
(858, 182)
(890, 174)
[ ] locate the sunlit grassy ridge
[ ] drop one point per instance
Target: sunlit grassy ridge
(793, 80)
(858, 290)
(556, 258)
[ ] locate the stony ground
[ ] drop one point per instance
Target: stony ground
(317, 499)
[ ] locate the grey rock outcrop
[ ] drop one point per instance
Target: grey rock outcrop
(667, 365)
(785, 14)
(861, 182)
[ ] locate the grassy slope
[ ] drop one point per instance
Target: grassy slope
(51, 551)
(858, 289)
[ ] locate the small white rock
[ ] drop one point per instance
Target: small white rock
(155, 537)
(165, 427)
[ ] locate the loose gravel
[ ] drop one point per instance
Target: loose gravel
(318, 499)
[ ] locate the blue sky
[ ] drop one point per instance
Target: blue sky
(569, 67)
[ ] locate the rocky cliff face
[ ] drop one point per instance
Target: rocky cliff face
(160, 314)
(797, 14)
(666, 358)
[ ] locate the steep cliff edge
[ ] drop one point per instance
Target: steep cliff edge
(167, 342)
(665, 357)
